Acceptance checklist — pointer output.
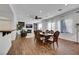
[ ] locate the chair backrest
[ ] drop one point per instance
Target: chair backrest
(43, 32)
(37, 34)
(51, 31)
(47, 31)
(34, 32)
(56, 35)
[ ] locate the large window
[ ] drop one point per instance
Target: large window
(39, 26)
(69, 25)
(65, 26)
(58, 26)
(51, 26)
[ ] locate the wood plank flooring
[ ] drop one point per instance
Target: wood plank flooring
(27, 46)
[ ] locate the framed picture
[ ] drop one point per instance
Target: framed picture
(28, 25)
(20, 25)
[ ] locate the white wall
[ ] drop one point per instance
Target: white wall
(74, 17)
(69, 15)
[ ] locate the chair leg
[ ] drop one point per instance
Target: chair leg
(57, 43)
(53, 45)
(34, 39)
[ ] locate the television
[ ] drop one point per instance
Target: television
(28, 25)
(21, 23)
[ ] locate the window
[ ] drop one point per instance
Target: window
(53, 26)
(49, 26)
(40, 26)
(58, 25)
(69, 25)
(65, 26)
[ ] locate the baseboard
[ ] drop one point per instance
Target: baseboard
(69, 40)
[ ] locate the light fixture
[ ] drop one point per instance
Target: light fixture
(40, 11)
(66, 4)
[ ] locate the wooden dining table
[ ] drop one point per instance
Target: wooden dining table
(46, 35)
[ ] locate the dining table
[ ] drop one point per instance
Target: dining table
(46, 35)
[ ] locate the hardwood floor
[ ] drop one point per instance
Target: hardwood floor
(27, 46)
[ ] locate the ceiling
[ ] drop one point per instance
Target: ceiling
(29, 11)
(42, 10)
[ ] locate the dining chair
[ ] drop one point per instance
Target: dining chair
(47, 31)
(38, 37)
(55, 38)
(52, 32)
(35, 35)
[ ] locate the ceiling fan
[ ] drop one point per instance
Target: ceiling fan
(37, 17)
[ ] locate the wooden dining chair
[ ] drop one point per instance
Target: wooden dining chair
(38, 37)
(47, 31)
(55, 38)
(52, 32)
(35, 35)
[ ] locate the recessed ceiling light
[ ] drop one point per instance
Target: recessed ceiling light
(66, 4)
(40, 11)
